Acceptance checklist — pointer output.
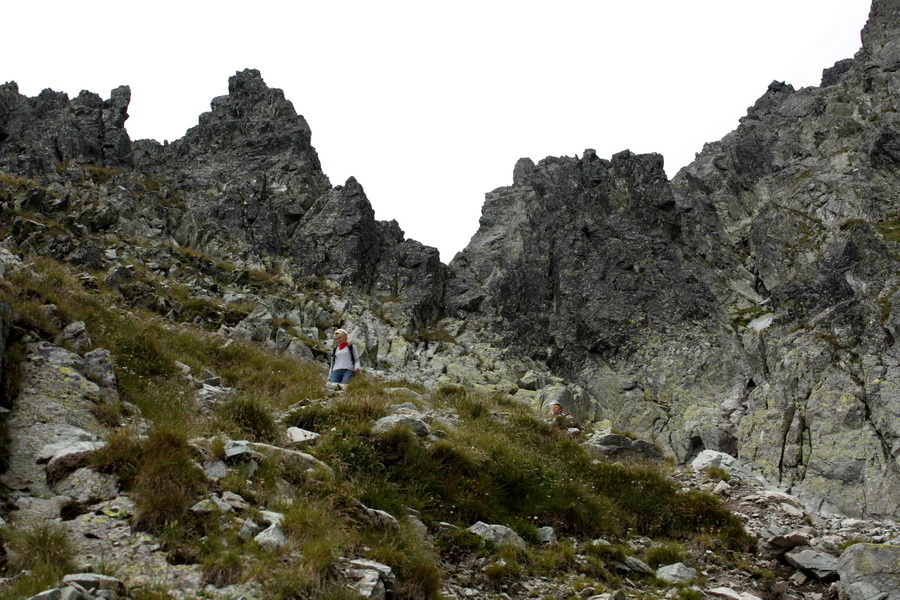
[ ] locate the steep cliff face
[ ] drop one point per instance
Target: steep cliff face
(800, 204)
(748, 305)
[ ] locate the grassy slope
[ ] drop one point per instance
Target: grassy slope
(493, 460)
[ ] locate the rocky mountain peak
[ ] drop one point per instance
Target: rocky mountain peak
(253, 122)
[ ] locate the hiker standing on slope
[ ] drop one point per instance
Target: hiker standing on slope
(344, 359)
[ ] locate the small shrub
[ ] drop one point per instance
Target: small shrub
(99, 174)
(502, 571)
(42, 552)
(167, 482)
(472, 408)
(108, 414)
(608, 553)
(453, 458)
(314, 417)
(665, 554)
(890, 229)
(852, 542)
(686, 593)
(247, 416)
(555, 559)
(717, 473)
(410, 556)
(122, 455)
(223, 568)
(451, 391)
(456, 543)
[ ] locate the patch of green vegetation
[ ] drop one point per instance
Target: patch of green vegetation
(852, 542)
(667, 553)
(15, 181)
(429, 334)
(687, 593)
(247, 416)
(717, 473)
(743, 316)
(167, 482)
(890, 229)
(886, 304)
(100, 174)
(43, 553)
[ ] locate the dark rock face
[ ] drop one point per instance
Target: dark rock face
(37, 133)
(576, 259)
(247, 172)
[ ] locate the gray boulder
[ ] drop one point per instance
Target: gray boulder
(417, 425)
(820, 565)
(604, 445)
(53, 411)
(497, 534)
(677, 573)
(87, 486)
(271, 538)
(870, 572)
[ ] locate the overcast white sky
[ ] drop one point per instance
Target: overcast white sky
(429, 104)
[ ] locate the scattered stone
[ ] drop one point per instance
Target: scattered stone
(546, 535)
(301, 436)
(774, 543)
(271, 538)
(235, 501)
(730, 594)
(384, 573)
(818, 564)
(86, 486)
(211, 504)
(497, 534)
(637, 565)
(677, 573)
(417, 425)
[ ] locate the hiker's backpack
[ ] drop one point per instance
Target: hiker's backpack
(353, 356)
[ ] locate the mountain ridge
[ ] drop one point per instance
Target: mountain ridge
(746, 305)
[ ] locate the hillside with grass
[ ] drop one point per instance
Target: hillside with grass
(723, 344)
(487, 458)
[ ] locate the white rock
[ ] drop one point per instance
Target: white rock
(791, 510)
(497, 534)
(729, 593)
(301, 436)
(677, 573)
(271, 538)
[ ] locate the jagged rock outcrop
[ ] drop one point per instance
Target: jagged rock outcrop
(244, 185)
(254, 191)
(40, 133)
